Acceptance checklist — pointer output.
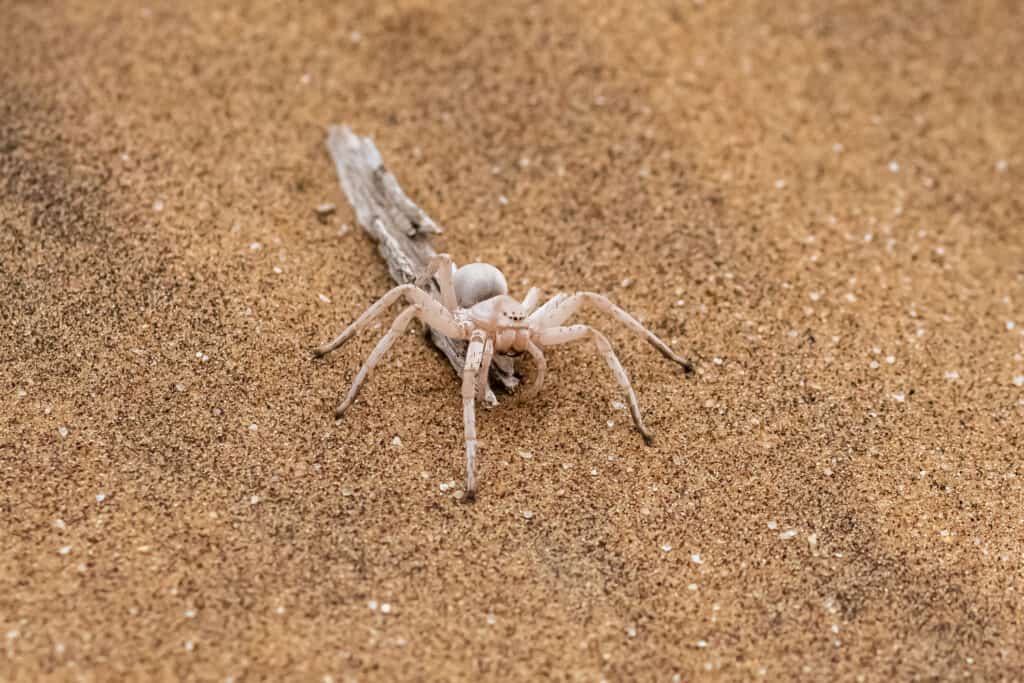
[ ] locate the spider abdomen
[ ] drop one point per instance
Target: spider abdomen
(476, 282)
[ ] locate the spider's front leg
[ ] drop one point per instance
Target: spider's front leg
(541, 365)
(554, 336)
(530, 301)
(470, 372)
(562, 307)
(485, 369)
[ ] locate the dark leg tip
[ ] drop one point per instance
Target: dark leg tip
(321, 351)
(339, 413)
(687, 368)
(648, 439)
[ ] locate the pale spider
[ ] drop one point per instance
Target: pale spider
(475, 306)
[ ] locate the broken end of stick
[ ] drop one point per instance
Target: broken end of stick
(340, 136)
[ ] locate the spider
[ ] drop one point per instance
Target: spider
(475, 306)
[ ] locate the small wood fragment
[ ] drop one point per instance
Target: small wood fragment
(401, 230)
(324, 210)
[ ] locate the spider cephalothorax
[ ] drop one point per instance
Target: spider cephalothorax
(504, 320)
(475, 306)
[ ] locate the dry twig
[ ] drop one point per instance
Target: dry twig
(400, 228)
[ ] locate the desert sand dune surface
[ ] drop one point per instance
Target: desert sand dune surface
(817, 202)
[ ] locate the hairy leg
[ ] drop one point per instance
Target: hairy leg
(555, 336)
(397, 328)
(432, 313)
(442, 267)
(555, 313)
(474, 357)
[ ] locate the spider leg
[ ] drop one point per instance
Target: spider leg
(530, 302)
(556, 311)
(542, 366)
(432, 313)
(442, 267)
(544, 311)
(485, 368)
(397, 328)
(474, 357)
(553, 336)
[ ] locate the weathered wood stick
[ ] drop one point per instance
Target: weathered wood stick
(400, 228)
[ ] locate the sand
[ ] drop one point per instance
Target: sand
(819, 202)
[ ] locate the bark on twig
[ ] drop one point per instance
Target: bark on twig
(400, 228)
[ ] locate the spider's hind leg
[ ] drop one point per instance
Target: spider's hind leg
(432, 312)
